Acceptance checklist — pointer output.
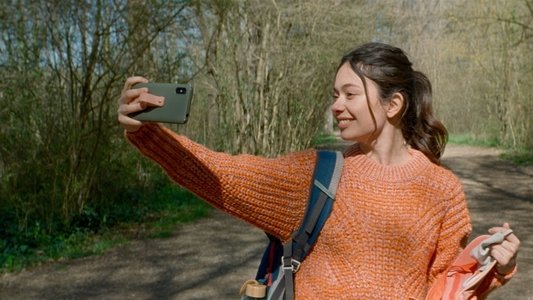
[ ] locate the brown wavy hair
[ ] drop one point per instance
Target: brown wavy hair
(392, 72)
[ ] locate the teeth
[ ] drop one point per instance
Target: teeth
(343, 121)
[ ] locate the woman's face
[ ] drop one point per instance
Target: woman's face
(352, 109)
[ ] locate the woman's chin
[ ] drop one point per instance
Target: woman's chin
(348, 138)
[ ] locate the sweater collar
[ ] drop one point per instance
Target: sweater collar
(397, 173)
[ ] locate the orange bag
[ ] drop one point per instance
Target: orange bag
(466, 273)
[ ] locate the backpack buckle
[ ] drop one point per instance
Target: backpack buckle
(290, 263)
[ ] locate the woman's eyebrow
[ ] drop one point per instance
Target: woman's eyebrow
(347, 85)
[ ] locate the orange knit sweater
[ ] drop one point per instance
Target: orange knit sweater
(392, 230)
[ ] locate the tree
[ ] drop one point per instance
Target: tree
(64, 64)
(268, 72)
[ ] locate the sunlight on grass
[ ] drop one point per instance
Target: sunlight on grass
(466, 139)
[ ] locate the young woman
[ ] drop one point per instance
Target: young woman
(399, 218)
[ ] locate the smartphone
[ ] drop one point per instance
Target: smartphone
(177, 104)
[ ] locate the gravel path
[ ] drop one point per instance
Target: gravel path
(209, 259)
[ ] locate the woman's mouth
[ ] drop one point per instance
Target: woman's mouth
(342, 124)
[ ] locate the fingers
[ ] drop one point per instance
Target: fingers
(506, 248)
(140, 102)
(125, 121)
(127, 104)
(135, 106)
(134, 100)
(131, 81)
(131, 125)
(504, 227)
(130, 95)
(501, 255)
(505, 256)
(511, 237)
(505, 253)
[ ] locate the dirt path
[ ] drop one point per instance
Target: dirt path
(212, 257)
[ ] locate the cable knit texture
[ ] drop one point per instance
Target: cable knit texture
(392, 231)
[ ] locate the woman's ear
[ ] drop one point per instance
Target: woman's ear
(395, 106)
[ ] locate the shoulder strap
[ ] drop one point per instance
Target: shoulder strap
(326, 177)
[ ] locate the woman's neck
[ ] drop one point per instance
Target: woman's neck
(388, 149)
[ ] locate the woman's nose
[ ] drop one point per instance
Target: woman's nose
(337, 106)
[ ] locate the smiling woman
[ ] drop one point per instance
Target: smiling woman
(392, 96)
(357, 107)
(399, 218)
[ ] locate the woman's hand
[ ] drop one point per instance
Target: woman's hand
(135, 100)
(505, 253)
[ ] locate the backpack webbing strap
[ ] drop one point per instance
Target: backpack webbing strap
(326, 178)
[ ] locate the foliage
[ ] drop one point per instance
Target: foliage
(469, 139)
(61, 151)
(324, 139)
(519, 157)
(262, 72)
(267, 74)
(98, 228)
(485, 74)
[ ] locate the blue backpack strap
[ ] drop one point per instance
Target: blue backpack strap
(325, 180)
(269, 265)
(326, 177)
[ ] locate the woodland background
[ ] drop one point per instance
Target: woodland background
(262, 74)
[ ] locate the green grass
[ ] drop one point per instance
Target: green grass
(323, 139)
(522, 157)
(160, 214)
(519, 157)
(465, 139)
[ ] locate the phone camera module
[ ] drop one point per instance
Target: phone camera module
(181, 90)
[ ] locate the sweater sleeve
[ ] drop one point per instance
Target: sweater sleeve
(491, 282)
(455, 231)
(268, 193)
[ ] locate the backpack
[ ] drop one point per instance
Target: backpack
(274, 279)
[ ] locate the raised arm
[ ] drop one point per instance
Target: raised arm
(268, 193)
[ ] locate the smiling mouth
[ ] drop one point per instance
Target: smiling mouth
(343, 123)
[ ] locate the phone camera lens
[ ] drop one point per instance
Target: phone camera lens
(181, 90)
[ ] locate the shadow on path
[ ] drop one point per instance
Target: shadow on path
(211, 258)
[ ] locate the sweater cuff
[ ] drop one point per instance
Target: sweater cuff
(503, 279)
(143, 131)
